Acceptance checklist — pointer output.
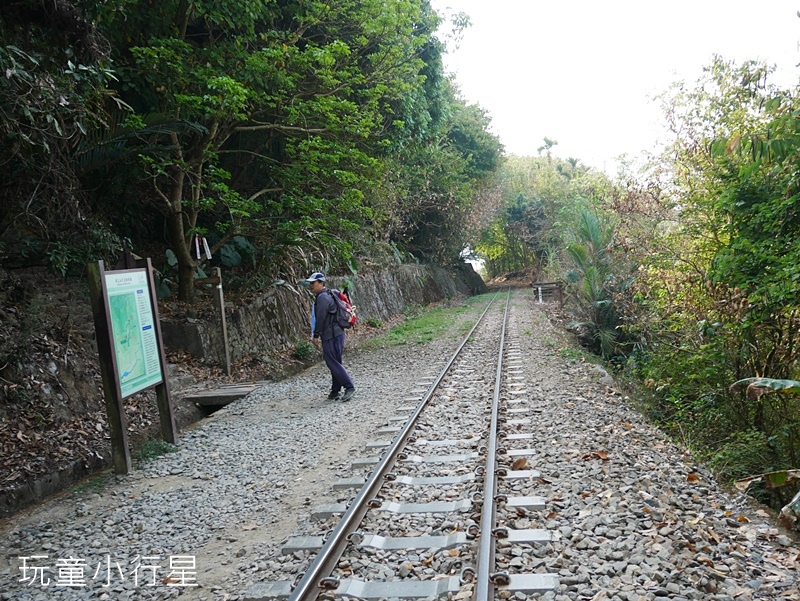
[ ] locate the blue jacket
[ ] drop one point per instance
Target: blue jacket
(324, 323)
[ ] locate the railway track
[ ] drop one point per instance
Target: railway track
(446, 505)
(633, 516)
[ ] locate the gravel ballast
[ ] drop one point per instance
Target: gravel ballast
(633, 517)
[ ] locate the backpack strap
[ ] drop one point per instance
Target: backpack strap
(333, 310)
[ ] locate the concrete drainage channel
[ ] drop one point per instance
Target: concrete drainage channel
(213, 399)
(435, 511)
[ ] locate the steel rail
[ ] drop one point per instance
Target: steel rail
(484, 587)
(311, 583)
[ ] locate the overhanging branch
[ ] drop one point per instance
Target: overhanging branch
(256, 154)
(284, 128)
(264, 191)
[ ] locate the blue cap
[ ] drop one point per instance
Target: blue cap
(316, 277)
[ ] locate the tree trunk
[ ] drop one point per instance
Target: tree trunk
(182, 244)
(185, 281)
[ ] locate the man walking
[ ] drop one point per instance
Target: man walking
(326, 328)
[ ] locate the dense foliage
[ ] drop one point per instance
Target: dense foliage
(288, 134)
(557, 221)
(538, 195)
(685, 274)
(726, 285)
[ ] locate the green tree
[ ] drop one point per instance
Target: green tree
(439, 182)
(596, 279)
(325, 133)
(541, 198)
(275, 110)
(717, 296)
(53, 92)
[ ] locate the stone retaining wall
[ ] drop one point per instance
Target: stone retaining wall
(274, 321)
(279, 316)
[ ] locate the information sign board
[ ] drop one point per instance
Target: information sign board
(132, 328)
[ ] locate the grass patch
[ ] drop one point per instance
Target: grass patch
(152, 449)
(92, 485)
(423, 326)
(569, 352)
(483, 299)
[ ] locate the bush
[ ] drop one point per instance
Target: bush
(746, 454)
(303, 350)
(152, 449)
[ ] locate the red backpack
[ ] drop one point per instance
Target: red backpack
(345, 312)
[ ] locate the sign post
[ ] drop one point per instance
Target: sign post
(219, 301)
(131, 350)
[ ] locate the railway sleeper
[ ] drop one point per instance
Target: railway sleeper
(323, 512)
(407, 589)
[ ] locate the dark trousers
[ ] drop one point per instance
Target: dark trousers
(332, 351)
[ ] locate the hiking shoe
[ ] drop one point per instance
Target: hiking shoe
(348, 394)
(332, 396)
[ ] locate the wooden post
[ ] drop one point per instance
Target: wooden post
(127, 260)
(165, 414)
(219, 300)
(112, 393)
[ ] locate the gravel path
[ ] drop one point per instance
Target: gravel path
(634, 518)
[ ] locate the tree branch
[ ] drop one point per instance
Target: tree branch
(264, 191)
(256, 154)
(286, 128)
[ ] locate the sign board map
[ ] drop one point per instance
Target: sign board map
(132, 328)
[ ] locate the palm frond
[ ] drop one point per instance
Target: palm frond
(119, 141)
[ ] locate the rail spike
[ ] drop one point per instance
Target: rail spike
(329, 583)
(500, 532)
(500, 578)
(296, 580)
(355, 537)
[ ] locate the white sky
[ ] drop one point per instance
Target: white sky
(584, 72)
